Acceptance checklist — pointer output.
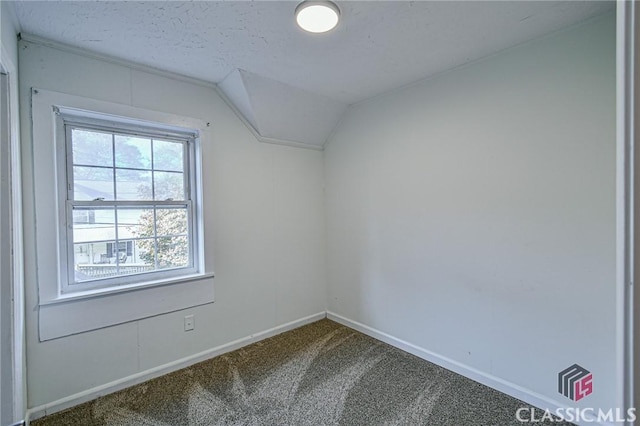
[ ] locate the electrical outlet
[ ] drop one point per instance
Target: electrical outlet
(189, 323)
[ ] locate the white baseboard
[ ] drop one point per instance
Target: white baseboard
(486, 379)
(88, 395)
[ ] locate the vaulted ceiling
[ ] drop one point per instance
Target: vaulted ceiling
(288, 84)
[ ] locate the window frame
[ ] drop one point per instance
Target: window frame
(69, 118)
(61, 315)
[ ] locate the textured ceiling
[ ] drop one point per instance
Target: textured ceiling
(377, 47)
(277, 111)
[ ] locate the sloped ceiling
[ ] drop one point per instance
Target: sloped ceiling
(278, 111)
(378, 46)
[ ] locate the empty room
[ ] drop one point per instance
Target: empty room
(317, 213)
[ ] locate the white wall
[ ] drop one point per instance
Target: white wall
(8, 32)
(264, 224)
(6, 345)
(10, 385)
(473, 214)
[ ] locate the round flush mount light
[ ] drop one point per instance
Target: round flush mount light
(317, 16)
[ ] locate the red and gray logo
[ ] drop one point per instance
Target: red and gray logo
(575, 382)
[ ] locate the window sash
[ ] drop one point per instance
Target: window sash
(187, 141)
(72, 285)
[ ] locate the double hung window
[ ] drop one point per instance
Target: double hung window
(128, 203)
(118, 204)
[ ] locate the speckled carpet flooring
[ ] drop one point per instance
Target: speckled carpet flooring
(319, 374)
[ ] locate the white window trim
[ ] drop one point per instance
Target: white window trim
(17, 261)
(58, 312)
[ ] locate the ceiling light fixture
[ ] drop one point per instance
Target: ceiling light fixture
(317, 16)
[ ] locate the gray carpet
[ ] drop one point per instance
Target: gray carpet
(319, 374)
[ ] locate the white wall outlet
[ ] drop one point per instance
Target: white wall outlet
(189, 323)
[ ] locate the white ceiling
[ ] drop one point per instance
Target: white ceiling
(279, 111)
(378, 46)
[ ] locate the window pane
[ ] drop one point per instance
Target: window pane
(111, 259)
(93, 225)
(168, 155)
(93, 260)
(168, 185)
(136, 257)
(171, 221)
(133, 185)
(173, 252)
(92, 148)
(135, 223)
(144, 253)
(133, 152)
(90, 183)
(122, 252)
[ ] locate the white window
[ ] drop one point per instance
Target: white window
(128, 202)
(118, 205)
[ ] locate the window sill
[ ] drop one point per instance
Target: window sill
(77, 313)
(89, 294)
